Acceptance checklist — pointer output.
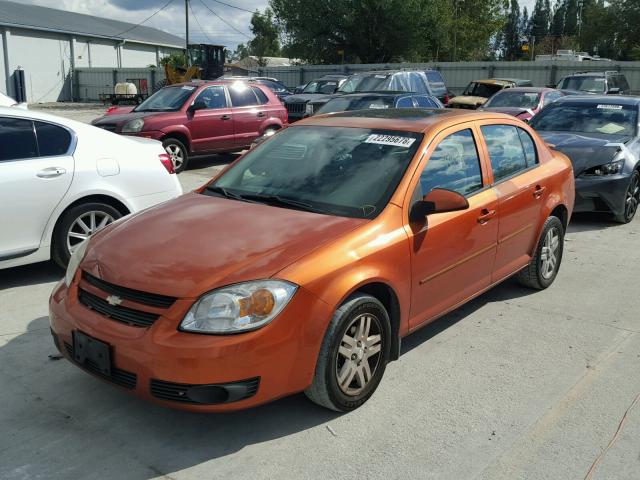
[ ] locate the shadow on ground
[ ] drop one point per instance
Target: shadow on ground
(206, 161)
(587, 222)
(34, 274)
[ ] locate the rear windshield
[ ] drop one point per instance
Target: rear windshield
(325, 87)
(166, 100)
(366, 83)
(349, 172)
(485, 90)
(436, 82)
(509, 98)
(342, 104)
(607, 119)
(584, 84)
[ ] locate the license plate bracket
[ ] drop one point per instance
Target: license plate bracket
(88, 349)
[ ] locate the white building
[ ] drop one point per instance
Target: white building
(48, 44)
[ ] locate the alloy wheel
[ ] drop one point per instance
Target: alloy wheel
(549, 254)
(632, 198)
(359, 354)
(176, 154)
(86, 225)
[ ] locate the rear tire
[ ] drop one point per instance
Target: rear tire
(353, 356)
(80, 221)
(543, 267)
(631, 200)
(178, 153)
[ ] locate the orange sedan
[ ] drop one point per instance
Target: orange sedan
(303, 264)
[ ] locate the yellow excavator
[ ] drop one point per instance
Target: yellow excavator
(206, 62)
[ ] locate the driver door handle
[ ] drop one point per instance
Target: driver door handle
(261, 114)
(486, 216)
(51, 172)
(538, 191)
(225, 117)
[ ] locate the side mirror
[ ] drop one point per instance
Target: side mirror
(438, 200)
(613, 91)
(197, 105)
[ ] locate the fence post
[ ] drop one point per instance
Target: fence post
(301, 76)
(150, 89)
(492, 69)
(552, 75)
(115, 79)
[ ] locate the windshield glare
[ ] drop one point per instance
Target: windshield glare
(167, 99)
(607, 119)
(584, 84)
(345, 104)
(476, 89)
(325, 87)
(349, 172)
(366, 83)
(509, 98)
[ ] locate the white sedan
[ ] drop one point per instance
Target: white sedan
(61, 181)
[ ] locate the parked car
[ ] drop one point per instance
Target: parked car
(479, 91)
(611, 83)
(297, 104)
(600, 136)
(275, 85)
(521, 102)
(6, 101)
(437, 86)
(303, 264)
(365, 101)
(414, 81)
(199, 118)
(61, 181)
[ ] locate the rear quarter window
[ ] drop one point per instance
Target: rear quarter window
(262, 97)
(52, 140)
(436, 82)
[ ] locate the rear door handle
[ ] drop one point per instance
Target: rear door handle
(486, 216)
(51, 172)
(225, 117)
(261, 114)
(538, 191)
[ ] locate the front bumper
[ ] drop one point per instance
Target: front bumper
(154, 134)
(209, 373)
(601, 194)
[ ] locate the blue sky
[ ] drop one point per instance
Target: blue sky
(172, 18)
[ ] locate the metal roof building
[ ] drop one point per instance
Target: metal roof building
(48, 44)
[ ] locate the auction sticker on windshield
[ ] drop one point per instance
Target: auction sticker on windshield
(393, 140)
(610, 107)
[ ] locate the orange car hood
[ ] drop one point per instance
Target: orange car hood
(196, 243)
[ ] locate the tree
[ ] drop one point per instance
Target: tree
(511, 44)
(266, 36)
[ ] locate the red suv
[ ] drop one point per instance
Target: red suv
(201, 118)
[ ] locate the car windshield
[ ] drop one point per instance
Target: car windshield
(584, 84)
(166, 100)
(342, 104)
(485, 90)
(608, 119)
(509, 98)
(349, 172)
(326, 87)
(366, 83)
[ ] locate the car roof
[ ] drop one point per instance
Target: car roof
(403, 119)
(594, 74)
(601, 99)
(386, 94)
(527, 89)
(331, 77)
(496, 81)
(388, 72)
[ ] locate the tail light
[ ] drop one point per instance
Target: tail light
(111, 109)
(165, 159)
(446, 99)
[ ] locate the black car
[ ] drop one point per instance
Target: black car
(297, 104)
(610, 83)
(600, 136)
(385, 81)
(379, 101)
(273, 84)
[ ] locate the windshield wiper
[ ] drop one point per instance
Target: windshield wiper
(277, 200)
(224, 192)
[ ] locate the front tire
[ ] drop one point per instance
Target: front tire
(354, 354)
(631, 199)
(543, 267)
(78, 224)
(178, 153)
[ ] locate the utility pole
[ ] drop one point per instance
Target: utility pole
(186, 21)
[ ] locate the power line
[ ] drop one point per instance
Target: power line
(227, 23)
(146, 19)
(198, 22)
(236, 7)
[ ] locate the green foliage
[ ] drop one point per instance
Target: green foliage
(175, 60)
(511, 34)
(266, 36)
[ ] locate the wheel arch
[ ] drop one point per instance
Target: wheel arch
(183, 137)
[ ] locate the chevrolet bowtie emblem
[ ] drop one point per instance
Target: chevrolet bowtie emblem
(114, 300)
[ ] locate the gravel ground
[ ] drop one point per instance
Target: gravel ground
(514, 385)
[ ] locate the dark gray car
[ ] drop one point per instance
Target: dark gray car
(600, 136)
(297, 104)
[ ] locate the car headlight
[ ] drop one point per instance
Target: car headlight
(238, 308)
(74, 262)
(309, 109)
(133, 126)
(606, 169)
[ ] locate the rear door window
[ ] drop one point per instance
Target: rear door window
(262, 97)
(405, 102)
(454, 165)
(425, 102)
(505, 150)
(52, 139)
(17, 139)
(242, 96)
